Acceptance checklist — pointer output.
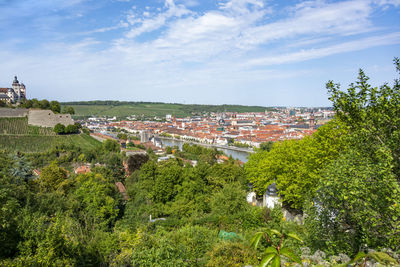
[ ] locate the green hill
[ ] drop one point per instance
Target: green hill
(17, 135)
(148, 109)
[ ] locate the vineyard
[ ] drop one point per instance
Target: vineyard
(19, 126)
(32, 143)
(17, 135)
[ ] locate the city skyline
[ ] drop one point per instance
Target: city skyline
(247, 52)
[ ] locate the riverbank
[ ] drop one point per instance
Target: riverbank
(241, 149)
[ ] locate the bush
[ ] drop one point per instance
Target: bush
(59, 128)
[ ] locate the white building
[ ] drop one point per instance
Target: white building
(14, 94)
(271, 198)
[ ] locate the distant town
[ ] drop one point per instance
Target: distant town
(245, 130)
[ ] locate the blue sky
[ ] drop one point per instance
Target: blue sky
(251, 52)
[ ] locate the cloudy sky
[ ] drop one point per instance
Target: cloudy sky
(251, 52)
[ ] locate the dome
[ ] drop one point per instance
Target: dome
(15, 79)
(272, 190)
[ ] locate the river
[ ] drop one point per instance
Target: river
(240, 155)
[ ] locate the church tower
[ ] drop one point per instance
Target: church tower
(17, 88)
(312, 120)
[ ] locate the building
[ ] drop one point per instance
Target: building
(15, 94)
(271, 198)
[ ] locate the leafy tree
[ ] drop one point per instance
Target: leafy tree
(55, 106)
(356, 205)
(44, 104)
(295, 164)
(111, 146)
(168, 176)
(228, 201)
(10, 206)
(51, 178)
(122, 136)
(94, 200)
(136, 161)
(59, 128)
(371, 113)
(71, 129)
(68, 110)
(267, 146)
(168, 150)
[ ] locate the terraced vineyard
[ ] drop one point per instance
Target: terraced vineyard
(19, 126)
(17, 135)
(32, 143)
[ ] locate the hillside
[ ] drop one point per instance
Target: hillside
(148, 109)
(17, 135)
(19, 126)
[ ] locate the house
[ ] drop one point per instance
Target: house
(82, 169)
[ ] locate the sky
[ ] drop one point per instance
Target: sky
(248, 52)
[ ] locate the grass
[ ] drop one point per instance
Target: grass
(32, 143)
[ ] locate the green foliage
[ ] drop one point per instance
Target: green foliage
(357, 204)
(71, 129)
(150, 110)
(228, 201)
(19, 126)
(136, 161)
(93, 198)
(122, 136)
(68, 110)
(184, 247)
(373, 114)
(111, 146)
(295, 165)
(266, 146)
(381, 257)
(55, 106)
(59, 128)
(168, 176)
(227, 253)
(51, 178)
(272, 255)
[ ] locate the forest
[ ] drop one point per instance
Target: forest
(343, 181)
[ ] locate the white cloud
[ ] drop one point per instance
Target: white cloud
(388, 39)
(233, 46)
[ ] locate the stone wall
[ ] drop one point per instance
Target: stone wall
(46, 118)
(12, 113)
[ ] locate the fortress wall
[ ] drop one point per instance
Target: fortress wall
(46, 118)
(12, 113)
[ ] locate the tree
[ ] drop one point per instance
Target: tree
(136, 161)
(59, 128)
(371, 113)
(356, 205)
(55, 106)
(111, 146)
(44, 104)
(169, 175)
(122, 136)
(267, 146)
(357, 201)
(71, 129)
(51, 178)
(295, 164)
(68, 110)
